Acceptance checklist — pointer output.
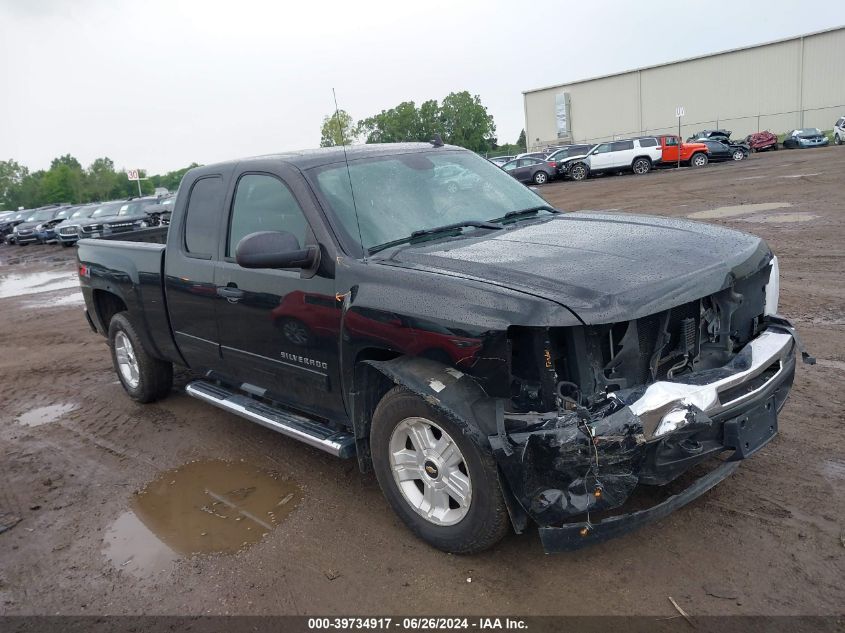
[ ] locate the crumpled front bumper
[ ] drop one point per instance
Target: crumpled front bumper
(571, 468)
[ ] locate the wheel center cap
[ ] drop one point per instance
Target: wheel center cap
(431, 469)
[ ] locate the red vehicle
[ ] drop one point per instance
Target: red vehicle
(693, 154)
(761, 141)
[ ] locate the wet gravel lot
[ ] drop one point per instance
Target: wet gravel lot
(110, 497)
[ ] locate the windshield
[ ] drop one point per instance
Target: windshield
(106, 209)
(135, 208)
(808, 131)
(82, 213)
(64, 213)
(45, 214)
(397, 195)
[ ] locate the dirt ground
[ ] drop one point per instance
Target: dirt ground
(74, 450)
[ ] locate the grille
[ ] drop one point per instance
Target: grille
(67, 230)
(92, 228)
(25, 232)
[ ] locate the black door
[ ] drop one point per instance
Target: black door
(189, 282)
(279, 329)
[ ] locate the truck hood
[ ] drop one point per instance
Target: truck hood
(604, 267)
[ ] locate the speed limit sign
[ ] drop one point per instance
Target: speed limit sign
(132, 174)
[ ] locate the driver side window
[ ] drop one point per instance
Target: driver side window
(264, 203)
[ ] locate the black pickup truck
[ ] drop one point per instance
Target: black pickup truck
(494, 360)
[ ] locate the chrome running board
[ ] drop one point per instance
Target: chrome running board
(338, 443)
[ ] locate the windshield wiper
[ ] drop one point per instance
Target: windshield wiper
(446, 228)
(513, 216)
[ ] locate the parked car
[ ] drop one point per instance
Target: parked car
(559, 156)
(720, 151)
(692, 154)
(529, 169)
(93, 226)
(762, 141)
(159, 213)
(46, 231)
(67, 232)
(710, 135)
(498, 161)
(604, 363)
(27, 232)
(8, 224)
(839, 131)
(131, 216)
(805, 138)
(637, 155)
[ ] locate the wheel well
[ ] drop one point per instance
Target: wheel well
(368, 388)
(107, 305)
(636, 158)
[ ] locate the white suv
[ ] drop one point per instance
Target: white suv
(637, 154)
(839, 131)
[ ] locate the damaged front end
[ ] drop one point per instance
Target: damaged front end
(612, 407)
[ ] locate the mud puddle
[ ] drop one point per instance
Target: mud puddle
(739, 209)
(44, 415)
(16, 285)
(203, 507)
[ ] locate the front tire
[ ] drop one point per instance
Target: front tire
(144, 377)
(837, 140)
(442, 486)
(541, 178)
(578, 172)
(699, 160)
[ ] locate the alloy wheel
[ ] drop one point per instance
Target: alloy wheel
(127, 363)
(430, 471)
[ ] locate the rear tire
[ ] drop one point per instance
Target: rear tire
(541, 178)
(424, 464)
(641, 166)
(739, 155)
(578, 172)
(698, 159)
(144, 377)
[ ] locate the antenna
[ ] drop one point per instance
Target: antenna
(348, 173)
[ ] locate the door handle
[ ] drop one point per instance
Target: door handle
(230, 294)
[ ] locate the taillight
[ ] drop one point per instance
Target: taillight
(84, 271)
(552, 163)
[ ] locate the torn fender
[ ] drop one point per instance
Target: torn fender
(451, 392)
(463, 401)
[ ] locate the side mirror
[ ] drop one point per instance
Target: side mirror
(274, 249)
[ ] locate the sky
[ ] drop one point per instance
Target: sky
(159, 84)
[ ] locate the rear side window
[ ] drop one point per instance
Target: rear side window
(648, 142)
(621, 146)
(264, 203)
(205, 205)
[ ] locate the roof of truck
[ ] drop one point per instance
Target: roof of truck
(308, 158)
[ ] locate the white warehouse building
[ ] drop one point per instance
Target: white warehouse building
(777, 86)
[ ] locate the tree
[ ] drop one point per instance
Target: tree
(11, 175)
(521, 140)
(466, 122)
(460, 119)
(338, 129)
(103, 182)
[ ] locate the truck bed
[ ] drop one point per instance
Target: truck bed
(131, 270)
